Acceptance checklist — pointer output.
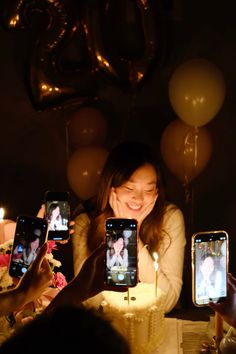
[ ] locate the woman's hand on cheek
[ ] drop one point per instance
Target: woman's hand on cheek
(147, 210)
(115, 204)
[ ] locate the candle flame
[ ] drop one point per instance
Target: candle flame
(1, 214)
(156, 266)
(155, 256)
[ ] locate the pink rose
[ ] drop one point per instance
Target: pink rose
(4, 260)
(59, 280)
(51, 246)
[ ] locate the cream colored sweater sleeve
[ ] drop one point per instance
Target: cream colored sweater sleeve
(79, 241)
(170, 261)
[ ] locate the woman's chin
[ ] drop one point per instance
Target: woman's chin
(131, 213)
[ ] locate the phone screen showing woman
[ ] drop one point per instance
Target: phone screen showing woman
(57, 214)
(210, 267)
(121, 252)
(30, 235)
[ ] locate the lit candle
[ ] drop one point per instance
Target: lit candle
(1, 214)
(155, 256)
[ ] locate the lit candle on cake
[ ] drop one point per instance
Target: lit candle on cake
(1, 214)
(155, 256)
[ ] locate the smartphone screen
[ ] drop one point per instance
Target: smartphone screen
(57, 214)
(209, 267)
(121, 252)
(30, 235)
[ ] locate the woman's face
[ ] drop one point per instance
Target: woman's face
(56, 212)
(207, 267)
(120, 242)
(35, 244)
(139, 191)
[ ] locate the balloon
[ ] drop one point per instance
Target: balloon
(49, 84)
(124, 55)
(185, 150)
(197, 91)
(84, 169)
(87, 127)
(10, 13)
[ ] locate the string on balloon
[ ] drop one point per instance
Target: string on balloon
(190, 144)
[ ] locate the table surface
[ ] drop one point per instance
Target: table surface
(186, 330)
(183, 336)
(192, 314)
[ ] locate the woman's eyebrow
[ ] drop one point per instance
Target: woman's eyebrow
(134, 182)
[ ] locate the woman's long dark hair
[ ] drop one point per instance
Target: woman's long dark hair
(121, 163)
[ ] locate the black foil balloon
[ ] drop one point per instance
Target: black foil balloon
(78, 45)
(49, 84)
(123, 37)
(10, 13)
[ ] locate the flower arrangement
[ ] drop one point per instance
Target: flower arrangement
(6, 281)
(5, 251)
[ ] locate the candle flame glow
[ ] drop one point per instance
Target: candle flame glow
(155, 256)
(1, 214)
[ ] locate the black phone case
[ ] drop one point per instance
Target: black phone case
(58, 202)
(28, 230)
(209, 267)
(121, 264)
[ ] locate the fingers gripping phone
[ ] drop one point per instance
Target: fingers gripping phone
(121, 252)
(57, 214)
(209, 267)
(30, 235)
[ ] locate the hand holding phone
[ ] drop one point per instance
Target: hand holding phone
(209, 267)
(121, 252)
(30, 235)
(57, 214)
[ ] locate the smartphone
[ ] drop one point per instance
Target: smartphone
(57, 214)
(30, 235)
(209, 253)
(121, 252)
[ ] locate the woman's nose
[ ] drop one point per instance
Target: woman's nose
(138, 195)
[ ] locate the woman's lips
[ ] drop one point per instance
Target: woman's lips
(134, 207)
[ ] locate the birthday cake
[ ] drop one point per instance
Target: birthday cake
(138, 315)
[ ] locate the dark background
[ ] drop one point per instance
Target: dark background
(34, 149)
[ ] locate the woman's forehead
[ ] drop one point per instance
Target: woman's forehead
(146, 173)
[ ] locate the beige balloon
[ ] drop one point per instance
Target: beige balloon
(197, 91)
(83, 170)
(86, 127)
(185, 150)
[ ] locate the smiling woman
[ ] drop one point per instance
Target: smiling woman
(131, 187)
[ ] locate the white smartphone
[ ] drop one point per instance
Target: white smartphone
(57, 214)
(209, 253)
(121, 263)
(30, 235)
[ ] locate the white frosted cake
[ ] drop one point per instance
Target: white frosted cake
(140, 319)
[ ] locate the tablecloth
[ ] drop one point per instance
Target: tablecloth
(183, 336)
